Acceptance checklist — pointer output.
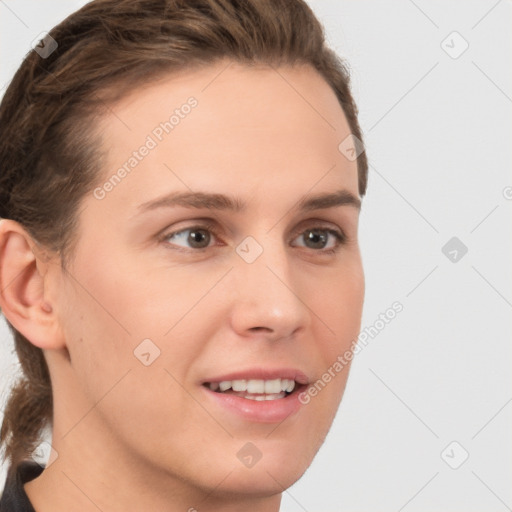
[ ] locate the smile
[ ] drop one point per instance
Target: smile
(255, 389)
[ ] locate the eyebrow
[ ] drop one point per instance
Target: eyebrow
(203, 200)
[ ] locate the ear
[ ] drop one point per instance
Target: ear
(23, 271)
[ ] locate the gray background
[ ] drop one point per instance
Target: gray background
(438, 132)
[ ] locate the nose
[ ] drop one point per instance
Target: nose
(267, 299)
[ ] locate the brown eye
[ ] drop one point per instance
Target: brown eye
(197, 237)
(318, 237)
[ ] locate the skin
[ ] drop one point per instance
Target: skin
(133, 437)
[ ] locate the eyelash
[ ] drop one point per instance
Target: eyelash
(339, 236)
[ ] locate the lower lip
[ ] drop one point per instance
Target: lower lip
(262, 411)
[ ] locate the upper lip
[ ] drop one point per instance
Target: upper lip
(263, 374)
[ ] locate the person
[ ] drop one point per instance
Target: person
(180, 191)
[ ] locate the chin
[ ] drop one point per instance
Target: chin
(279, 467)
(263, 479)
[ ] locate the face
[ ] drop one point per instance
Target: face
(167, 295)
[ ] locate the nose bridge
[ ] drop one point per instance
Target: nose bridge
(266, 287)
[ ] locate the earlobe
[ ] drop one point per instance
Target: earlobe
(22, 287)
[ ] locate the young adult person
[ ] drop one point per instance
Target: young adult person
(180, 187)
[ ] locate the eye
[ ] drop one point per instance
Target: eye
(318, 237)
(198, 237)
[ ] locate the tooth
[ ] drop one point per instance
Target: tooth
(273, 386)
(239, 385)
(224, 385)
(275, 396)
(255, 397)
(256, 386)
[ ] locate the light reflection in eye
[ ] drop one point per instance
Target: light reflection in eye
(198, 238)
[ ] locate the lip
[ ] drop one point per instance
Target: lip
(263, 374)
(264, 411)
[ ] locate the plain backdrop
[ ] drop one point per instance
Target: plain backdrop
(426, 418)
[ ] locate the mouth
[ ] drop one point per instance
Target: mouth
(259, 394)
(257, 389)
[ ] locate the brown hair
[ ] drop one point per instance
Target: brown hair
(49, 154)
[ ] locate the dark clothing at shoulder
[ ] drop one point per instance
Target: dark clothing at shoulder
(14, 498)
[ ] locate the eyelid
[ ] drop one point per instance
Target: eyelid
(199, 224)
(208, 225)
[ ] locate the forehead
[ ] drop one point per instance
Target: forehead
(228, 125)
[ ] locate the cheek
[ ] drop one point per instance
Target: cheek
(141, 299)
(98, 345)
(99, 320)
(114, 312)
(340, 306)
